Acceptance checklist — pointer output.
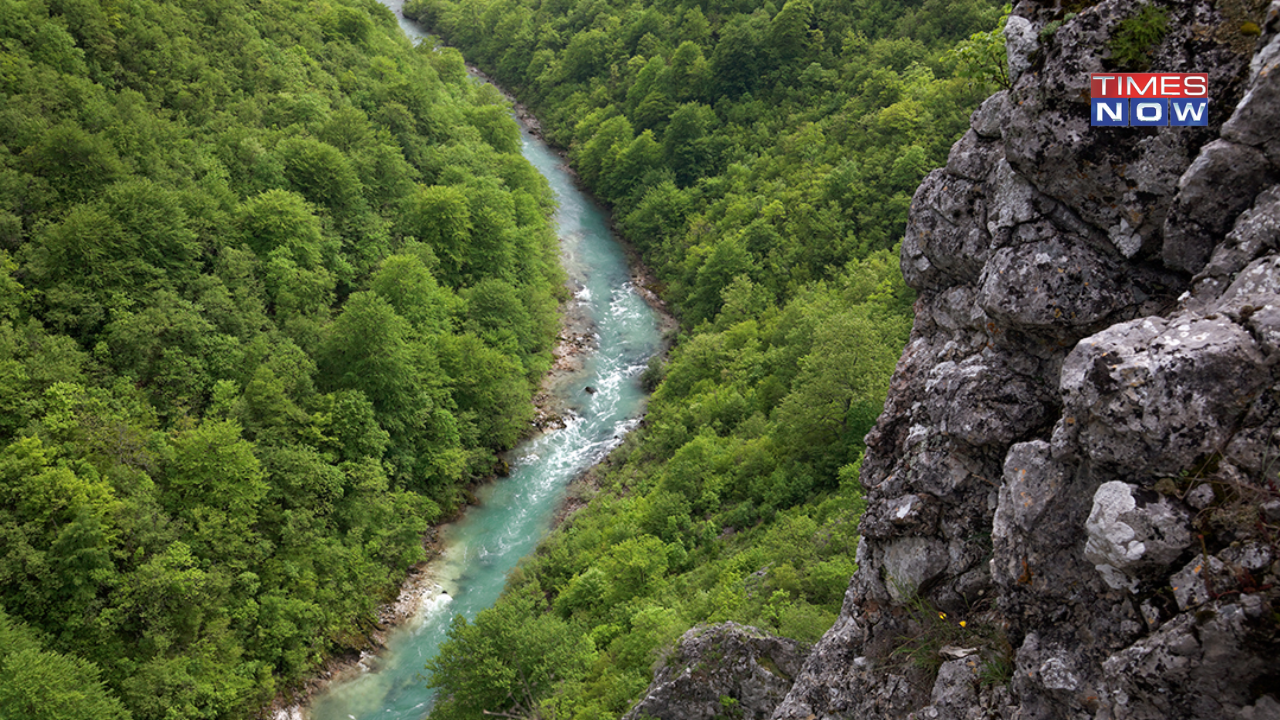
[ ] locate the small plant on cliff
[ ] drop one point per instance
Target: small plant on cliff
(997, 670)
(1135, 37)
(937, 637)
(730, 708)
(1050, 29)
(1229, 509)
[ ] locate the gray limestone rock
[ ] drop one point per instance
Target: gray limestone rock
(946, 232)
(988, 118)
(727, 670)
(910, 564)
(955, 691)
(1013, 200)
(1256, 232)
(1131, 530)
(1266, 708)
(956, 309)
(1056, 282)
(1122, 181)
(1192, 584)
(1253, 122)
(1253, 301)
(1201, 664)
(971, 157)
(1200, 496)
(1021, 40)
(981, 401)
(1081, 442)
(1221, 182)
(1032, 486)
(1153, 395)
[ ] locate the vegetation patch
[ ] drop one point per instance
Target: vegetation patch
(1242, 24)
(275, 286)
(936, 637)
(1136, 37)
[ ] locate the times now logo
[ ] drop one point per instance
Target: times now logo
(1149, 99)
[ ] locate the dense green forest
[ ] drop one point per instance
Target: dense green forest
(761, 157)
(274, 286)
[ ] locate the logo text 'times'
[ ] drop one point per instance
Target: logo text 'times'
(1149, 99)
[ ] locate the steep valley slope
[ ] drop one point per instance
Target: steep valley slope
(1072, 492)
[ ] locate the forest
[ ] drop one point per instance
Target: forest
(275, 286)
(761, 157)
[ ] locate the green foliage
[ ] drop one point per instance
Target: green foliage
(39, 683)
(982, 57)
(769, 142)
(761, 156)
(440, 217)
(506, 662)
(997, 671)
(1135, 37)
(1051, 28)
(273, 285)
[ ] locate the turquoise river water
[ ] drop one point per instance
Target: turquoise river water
(515, 513)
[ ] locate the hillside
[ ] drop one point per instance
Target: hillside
(1075, 475)
(1070, 497)
(761, 158)
(274, 287)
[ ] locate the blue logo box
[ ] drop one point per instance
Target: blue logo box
(1149, 112)
(1189, 112)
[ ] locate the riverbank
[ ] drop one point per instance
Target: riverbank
(577, 336)
(563, 392)
(576, 340)
(421, 583)
(643, 278)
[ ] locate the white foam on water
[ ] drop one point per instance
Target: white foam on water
(482, 547)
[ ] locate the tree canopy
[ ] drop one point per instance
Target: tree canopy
(274, 285)
(761, 156)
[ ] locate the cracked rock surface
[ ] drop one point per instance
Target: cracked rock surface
(1080, 450)
(1072, 494)
(724, 671)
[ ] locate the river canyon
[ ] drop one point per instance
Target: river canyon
(604, 399)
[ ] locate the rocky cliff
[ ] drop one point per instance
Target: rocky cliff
(726, 671)
(1073, 506)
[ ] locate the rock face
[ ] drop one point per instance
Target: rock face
(1080, 450)
(725, 671)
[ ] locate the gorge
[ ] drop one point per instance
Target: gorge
(1072, 492)
(973, 410)
(480, 549)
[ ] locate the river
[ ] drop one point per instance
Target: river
(514, 513)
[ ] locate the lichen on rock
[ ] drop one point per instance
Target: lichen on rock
(1081, 442)
(726, 670)
(1082, 438)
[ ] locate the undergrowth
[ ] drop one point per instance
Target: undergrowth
(1135, 37)
(937, 637)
